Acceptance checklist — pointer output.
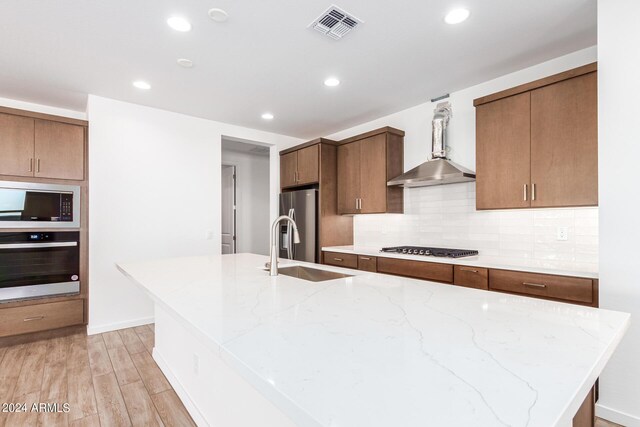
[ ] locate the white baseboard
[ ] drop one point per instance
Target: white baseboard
(616, 416)
(198, 418)
(99, 329)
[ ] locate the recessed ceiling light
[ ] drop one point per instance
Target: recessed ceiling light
(179, 24)
(141, 84)
(186, 63)
(457, 16)
(267, 116)
(218, 15)
(331, 82)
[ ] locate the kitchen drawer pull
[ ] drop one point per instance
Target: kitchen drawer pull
(38, 165)
(30, 319)
(534, 285)
(338, 259)
(526, 190)
(30, 165)
(364, 258)
(472, 270)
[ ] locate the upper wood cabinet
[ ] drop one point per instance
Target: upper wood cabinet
(564, 143)
(40, 148)
(300, 167)
(59, 150)
(365, 164)
(16, 145)
(536, 144)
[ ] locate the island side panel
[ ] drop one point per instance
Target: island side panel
(213, 393)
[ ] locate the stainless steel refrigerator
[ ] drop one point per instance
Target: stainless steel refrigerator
(302, 206)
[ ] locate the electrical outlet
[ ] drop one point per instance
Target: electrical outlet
(563, 234)
(196, 364)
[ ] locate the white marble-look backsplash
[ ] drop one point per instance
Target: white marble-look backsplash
(446, 216)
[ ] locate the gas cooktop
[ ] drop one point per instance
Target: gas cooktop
(426, 251)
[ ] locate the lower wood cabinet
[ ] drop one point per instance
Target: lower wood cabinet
(416, 269)
(341, 260)
(367, 263)
(471, 277)
(574, 289)
(41, 317)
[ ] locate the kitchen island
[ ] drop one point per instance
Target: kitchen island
(243, 348)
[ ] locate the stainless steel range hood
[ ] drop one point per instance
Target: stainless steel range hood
(439, 170)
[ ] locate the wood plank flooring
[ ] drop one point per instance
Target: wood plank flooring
(108, 380)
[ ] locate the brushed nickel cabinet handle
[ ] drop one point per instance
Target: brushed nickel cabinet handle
(365, 258)
(526, 190)
(534, 285)
(30, 319)
(472, 270)
(338, 259)
(30, 165)
(533, 192)
(360, 204)
(356, 204)
(38, 165)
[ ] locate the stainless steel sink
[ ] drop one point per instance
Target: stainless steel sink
(311, 274)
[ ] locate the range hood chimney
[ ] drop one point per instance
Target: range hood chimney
(439, 170)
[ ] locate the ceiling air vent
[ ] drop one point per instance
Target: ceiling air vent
(335, 23)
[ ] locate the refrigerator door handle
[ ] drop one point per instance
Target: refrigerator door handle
(292, 247)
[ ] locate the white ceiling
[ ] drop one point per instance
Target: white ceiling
(265, 59)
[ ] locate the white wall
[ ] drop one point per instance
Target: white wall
(619, 142)
(252, 200)
(446, 216)
(154, 192)
(45, 109)
(441, 216)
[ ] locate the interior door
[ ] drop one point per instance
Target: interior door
(16, 145)
(503, 158)
(59, 150)
(373, 174)
(348, 177)
(228, 209)
(564, 143)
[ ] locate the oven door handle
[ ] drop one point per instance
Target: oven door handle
(37, 245)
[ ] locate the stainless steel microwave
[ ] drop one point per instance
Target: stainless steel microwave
(34, 205)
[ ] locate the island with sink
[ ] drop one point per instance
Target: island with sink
(318, 345)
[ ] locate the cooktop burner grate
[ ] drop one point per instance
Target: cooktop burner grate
(427, 251)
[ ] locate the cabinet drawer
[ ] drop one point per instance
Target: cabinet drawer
(367, 263)
(40, 317)
(416, 269)
(341, 260)
(471, 277)
(544, 285)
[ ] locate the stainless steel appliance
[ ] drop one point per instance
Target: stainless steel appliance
(439, 170)
(302, 207)
(426, 251)
(37, 264)
(33, 205)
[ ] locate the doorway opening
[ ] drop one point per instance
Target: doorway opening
(245, 197)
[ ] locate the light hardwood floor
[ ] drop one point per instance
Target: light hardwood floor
(108, 380)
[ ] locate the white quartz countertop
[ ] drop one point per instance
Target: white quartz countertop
(378, 350)
(475, 261)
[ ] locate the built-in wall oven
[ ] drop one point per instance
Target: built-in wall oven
(38, 264)
(35, 205)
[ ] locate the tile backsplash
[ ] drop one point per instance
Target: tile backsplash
(446, 216)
